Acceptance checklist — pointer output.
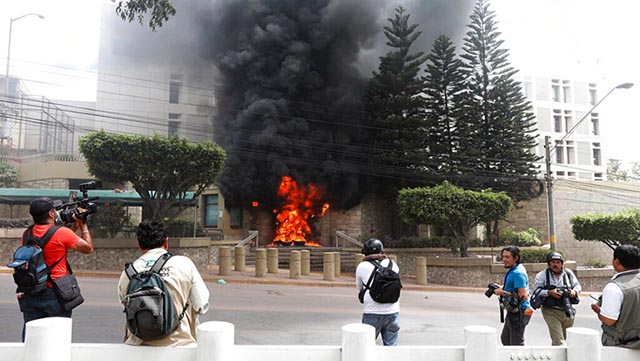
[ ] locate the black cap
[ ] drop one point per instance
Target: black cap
(42, 205)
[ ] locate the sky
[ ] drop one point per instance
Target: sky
(57, 55)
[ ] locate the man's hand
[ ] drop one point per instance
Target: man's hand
(595, 308)
(554, 293)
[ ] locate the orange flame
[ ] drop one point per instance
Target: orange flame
(301, 203)
(255, 204)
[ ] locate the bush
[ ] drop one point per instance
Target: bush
(527, 238)
(534, 255)
(111, 217)
(15, 222)
(180, 228)
(595, 264)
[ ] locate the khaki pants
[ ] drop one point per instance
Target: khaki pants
(558, 323)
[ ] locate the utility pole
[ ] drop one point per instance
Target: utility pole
(547, 158)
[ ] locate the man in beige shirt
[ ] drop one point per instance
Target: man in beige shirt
(181, 278)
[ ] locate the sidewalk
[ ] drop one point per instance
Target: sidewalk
(282, 278)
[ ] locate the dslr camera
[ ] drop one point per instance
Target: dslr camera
(66, 211)
(491, 288)
(565, 301)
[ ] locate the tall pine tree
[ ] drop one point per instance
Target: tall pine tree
(497, 129)
(443, 90)
(395, 108)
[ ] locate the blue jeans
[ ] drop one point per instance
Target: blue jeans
(40, 305)
(387, 325)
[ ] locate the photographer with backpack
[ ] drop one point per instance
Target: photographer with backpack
(556, 290)
(378, 284)
(163, 295)
(45, 246)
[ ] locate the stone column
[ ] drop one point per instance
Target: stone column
(261, 262)
(305, 265)
(421, 270)
(224, 262)
(272, 260)
(358, 342)
(327, 266)
(48, 339)
(215, 341)
(294, 265)
(336, 264)
(240, 257)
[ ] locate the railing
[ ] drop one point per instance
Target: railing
(344, 236)
(250, 237)
(49, 339)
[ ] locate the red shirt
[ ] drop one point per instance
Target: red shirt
(56, 248)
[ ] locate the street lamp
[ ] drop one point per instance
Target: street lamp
(549, 149)
(6, 79)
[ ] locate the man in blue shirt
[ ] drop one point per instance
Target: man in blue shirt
(514, 296)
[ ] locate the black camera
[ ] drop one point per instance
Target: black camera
(565, 301)
(66, 213)
(491, 288)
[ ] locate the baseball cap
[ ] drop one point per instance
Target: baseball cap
(42, 205)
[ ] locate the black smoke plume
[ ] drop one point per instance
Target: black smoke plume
(291, 96)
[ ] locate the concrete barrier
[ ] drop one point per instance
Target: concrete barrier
(224, 261)
(336, 264)
(261, 262)
(272, 260)
(421, 270)
(328, 272)
(240, 257)
(305, 262)
(294, 264)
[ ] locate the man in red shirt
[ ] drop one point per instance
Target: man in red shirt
(45, 303)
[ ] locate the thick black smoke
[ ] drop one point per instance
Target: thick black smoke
(291, 96)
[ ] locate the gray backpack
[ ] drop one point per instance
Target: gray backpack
(148, 304)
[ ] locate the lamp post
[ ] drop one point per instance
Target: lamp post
(548, 149)
(6, 79)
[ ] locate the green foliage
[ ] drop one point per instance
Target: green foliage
(452, 208)
(112, 217)
(180, 228)
(526, 238)
(534, 255)
(130, 10)
(162, 170)
(8, 175)
(615, 171)
(595, 264)
(612, 229)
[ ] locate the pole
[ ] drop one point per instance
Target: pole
(549, 149)
(552, 232)
(6, 77)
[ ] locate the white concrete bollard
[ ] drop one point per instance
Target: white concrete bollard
(583, 344)
(48, 339)
(481, 343)
(358, 342)
(215, 341)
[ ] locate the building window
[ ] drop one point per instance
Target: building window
(555, 90)
(568, 120)
(566, 91)
(559, 152)
(211, 210)
(174, 88)
(595, 124)
(596, 154)
(557, 120)
(570, 152)
(235, 218)
(593, 94)
(528, 88)
(597, 176)
(571, 175)
(560, 174)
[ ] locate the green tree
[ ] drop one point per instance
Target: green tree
(453, 208)
(162, 170)
(497, 129)
(443, 89)
(635, 170)
(615, 171)
(611, 229)
(8, 175)
(157, 11)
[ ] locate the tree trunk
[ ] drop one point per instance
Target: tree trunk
(464, 252)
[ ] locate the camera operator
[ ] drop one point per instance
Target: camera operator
(514, 298)
(558, 289)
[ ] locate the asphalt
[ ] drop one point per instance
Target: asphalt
(282, 278)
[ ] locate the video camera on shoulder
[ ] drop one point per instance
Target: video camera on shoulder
(66, 211)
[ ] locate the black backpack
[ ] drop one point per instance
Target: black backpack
(30, 272)
(148, 305)
(384, 284)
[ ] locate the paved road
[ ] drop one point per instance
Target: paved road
(285, 314)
